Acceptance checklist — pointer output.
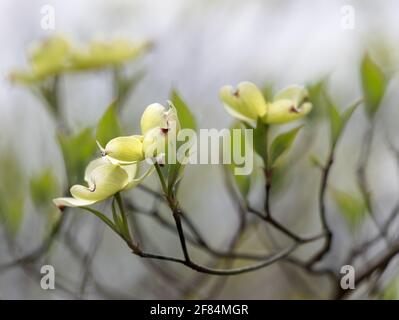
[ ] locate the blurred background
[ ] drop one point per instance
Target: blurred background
(198, 46)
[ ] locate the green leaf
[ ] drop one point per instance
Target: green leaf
(260, 139)
(316, 97)
(12, 212)
(314, 160)
(12, 193)
(347, 114)
(339, 121)
(186, 118)
(374, 84)
(117, 219)
(187, 121)
(352, 207)
(174, 171)
(125, 85)
(243, 184)
(173, 174)
(267, 92)
(43, 188)
(108, 126)
(77, 151)
(391, 290)
(335, 121)
(105, 219)
(282, 143)
(238, 144)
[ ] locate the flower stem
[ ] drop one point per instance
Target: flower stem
(161, 178)
(125, 231)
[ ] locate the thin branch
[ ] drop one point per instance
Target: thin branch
(41, 250)
(284, 230)
(379, 264)
(199, 240)
(322, 209)
(221, 272)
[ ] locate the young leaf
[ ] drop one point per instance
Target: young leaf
(125, 85)
(117, 219)
(104, 218)
(339, 121)
(374, 84)
(43, 188)
(282, 143)
(352, 208)
(244, 184)
(267, 92)
(260, 140)
(108, 126)
(187, 121)
(186, 118)
(12, 192)
(12, 212)
(315, 161)
(77, 150)
(335, 120)
(238, 144)
(316, 97)
(391, 290)
(173, 174)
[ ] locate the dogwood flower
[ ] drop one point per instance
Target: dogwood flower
(157, 124)
(247, 104)
(124, 150)
(47, 58)
(158, 116)
(101, 54)
(288, 105)
(104, 179)
(56, 55)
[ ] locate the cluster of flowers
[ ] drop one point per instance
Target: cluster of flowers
(116, 170)
(57, 55)
(247, 103)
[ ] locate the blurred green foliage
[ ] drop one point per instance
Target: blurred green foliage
(238, 144)
(43, 188)
(12, 192)
(351, 206)
(108, 127)
(374, 84)
(282, 143)
(77, 150)
(186, 117)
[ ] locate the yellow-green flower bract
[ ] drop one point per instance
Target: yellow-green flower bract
(125, 150)
(56, 55)
(46, 59)
(101, 54)
(157, 124)
(104, 179)
(158, 116)
(247, 104)
(116, 170)
(288, 105)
